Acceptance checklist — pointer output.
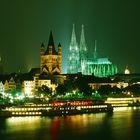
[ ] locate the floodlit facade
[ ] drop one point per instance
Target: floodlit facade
(31, 86)
(126, 71)
(47, 83)
(12, 84)
(6, 86)
(101, 67)
(50, 59)
(96, 86)
(78, 60)
(28, 87)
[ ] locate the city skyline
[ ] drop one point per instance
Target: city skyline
(26, 24)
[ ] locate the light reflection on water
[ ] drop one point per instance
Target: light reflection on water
(24, 123)
(121, 124)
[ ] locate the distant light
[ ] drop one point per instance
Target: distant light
(126, 71)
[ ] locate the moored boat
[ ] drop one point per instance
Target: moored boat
(57, 108)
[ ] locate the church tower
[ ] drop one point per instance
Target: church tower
(73, 58)
(51, 60)
(83, 52)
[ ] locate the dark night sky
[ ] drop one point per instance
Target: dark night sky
(25, 24)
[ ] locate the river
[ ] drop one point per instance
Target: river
(122, 124)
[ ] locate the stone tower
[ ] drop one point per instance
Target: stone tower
(73, 58)
(50, 59)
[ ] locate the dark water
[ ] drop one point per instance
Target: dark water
(122, 124)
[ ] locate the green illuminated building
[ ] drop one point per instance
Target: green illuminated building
(78, 60)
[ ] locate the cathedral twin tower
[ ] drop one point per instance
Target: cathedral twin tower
(77, 58)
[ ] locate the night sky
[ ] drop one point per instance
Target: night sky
(25, 24)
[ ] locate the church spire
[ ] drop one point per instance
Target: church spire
(51, 47)
(95, 50)
(73, 59)
(83, 52)
(51, 42)
(73, 37)
(82, 40)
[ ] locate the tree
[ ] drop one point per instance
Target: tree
(61, 89)
(105, 89)
(45, 90)
(82, 85)
(135, 89)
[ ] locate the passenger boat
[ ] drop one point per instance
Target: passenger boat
(72, 110)
(56, 108)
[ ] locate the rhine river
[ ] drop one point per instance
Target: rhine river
(122, 124)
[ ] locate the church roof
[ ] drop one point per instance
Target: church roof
(34, 71)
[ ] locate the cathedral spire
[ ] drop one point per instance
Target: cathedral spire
(82, 40)
(83, 52)
(73, 37)
(73, 59)
(95, 50)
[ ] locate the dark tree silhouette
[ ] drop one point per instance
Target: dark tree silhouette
(45, 90)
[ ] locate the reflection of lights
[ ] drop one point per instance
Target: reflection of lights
(134, 108)
(121, 108)
(26, 123)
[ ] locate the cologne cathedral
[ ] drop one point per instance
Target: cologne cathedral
(78, 60)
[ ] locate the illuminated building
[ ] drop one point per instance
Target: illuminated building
(50, 59)
(126, 71)
(78, 60)
(31, 84)
(96, 86)
(29, 87)
(6, 86)
(47, 83)
(12, 84)
(101, 67)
